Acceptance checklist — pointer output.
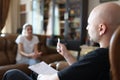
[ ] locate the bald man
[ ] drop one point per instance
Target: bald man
(102, 22)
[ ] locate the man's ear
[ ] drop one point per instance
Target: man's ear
(102, 29)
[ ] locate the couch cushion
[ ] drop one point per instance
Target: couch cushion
(11, 47)
(3, 55)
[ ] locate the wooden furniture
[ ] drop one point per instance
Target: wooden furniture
(72, 18)
(115, 55)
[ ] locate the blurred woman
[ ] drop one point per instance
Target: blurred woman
(27, 46)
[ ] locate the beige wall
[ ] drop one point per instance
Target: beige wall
(93, 3)
(28, 10)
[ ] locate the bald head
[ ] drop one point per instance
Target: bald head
(103, 21)
(108, 13)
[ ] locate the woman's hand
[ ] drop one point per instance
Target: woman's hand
(35, 55)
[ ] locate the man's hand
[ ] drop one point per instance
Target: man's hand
(62, 49)
(48, 77)
(65, 53)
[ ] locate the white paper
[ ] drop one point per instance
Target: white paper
(42, 68)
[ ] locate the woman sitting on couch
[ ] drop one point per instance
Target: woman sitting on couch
(27, 46)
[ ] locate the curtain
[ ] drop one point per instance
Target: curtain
(4, 7)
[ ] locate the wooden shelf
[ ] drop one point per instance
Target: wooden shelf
(62, 9)
(73, 8)
(60, 1)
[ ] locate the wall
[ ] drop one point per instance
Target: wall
(93, 3)
(24, 1)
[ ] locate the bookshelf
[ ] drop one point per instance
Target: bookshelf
(73, 18)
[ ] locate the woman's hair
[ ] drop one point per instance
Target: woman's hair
(24, 28)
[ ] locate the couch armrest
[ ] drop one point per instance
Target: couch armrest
(59, 65)
(22, 67)
(51, 49)
(50, 58)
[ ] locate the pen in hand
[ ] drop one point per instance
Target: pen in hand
(58, 45)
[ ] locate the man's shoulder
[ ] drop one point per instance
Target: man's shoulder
(101, 50)
(95, 55)
(98, 52)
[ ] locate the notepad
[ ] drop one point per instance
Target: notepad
(42, 68)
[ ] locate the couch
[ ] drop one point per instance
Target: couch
(8, 50)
